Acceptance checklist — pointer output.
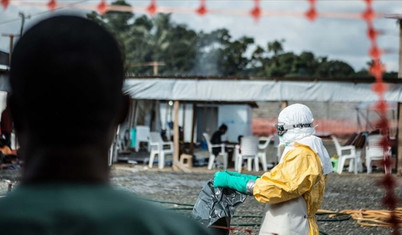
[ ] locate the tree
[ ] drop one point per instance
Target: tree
(334, 69)
(281, 65)
(275, 47)
(117, 23)
(219, 55)
(185, 51)
(147, 40)
(233, 60)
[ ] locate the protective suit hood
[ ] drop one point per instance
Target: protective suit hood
(292, 115)
(301, 114)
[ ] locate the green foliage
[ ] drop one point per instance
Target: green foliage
(275, 47)
(147, 40)
(334, 69)
(184, 51)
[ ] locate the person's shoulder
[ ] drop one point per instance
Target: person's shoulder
(153, 218)
(170, 222)
(112, 210)
(299, 150)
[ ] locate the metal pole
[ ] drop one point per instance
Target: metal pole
(11, 36)
(193, 128)
(23, 17)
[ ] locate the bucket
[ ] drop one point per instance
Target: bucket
(334, 162)
(204, 145)
(133, 136)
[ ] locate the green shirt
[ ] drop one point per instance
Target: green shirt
(87, 209)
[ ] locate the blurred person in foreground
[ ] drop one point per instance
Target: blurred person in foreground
(66, 101)
(294, 189)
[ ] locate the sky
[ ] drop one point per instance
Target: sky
(337, 38)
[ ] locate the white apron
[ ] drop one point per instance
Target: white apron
(286, 218)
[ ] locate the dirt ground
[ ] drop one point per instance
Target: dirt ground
(346, 191)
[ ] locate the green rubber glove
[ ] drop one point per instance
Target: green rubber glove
(250, 177)
(224, 180)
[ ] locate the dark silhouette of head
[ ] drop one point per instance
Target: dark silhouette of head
(223, 128)
(66, 97)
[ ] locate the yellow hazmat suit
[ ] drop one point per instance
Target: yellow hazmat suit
(298, 176)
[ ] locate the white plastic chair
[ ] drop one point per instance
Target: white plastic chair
(142, 135)
(262, 150)
(212, 157)
(160, 148)
(374, 151)
(351, 156)
(235, 156)
(249, 151)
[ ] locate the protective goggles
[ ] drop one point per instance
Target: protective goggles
(282, 128)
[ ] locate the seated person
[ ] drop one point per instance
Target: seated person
(4, 148)
(217, 138)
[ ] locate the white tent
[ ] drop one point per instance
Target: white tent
(225, 90)
(237, 90)
(257, 90)
(231, 90)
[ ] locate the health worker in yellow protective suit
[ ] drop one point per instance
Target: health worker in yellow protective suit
(294, 189)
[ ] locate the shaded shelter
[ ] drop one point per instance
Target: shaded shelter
(234, 90)
(237, 89)
(367, 114)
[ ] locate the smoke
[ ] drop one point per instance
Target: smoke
(208, 57)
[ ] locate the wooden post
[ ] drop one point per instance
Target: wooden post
(153, 114)
(11, 49)
(210, 121)
(183, 124)
(11, 36)
(132, 120)
(400, 49)
(176, 135)
(204, 119)
(130, 113)
(399, 140)
(135, 114)
(155, 65)
(194, 119)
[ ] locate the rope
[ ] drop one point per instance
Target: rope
(370, 218)
(364, 217)
(181, 208)
(169, 202)
(376, 218)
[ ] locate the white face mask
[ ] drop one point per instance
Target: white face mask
(283, 141)
(296, 134)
